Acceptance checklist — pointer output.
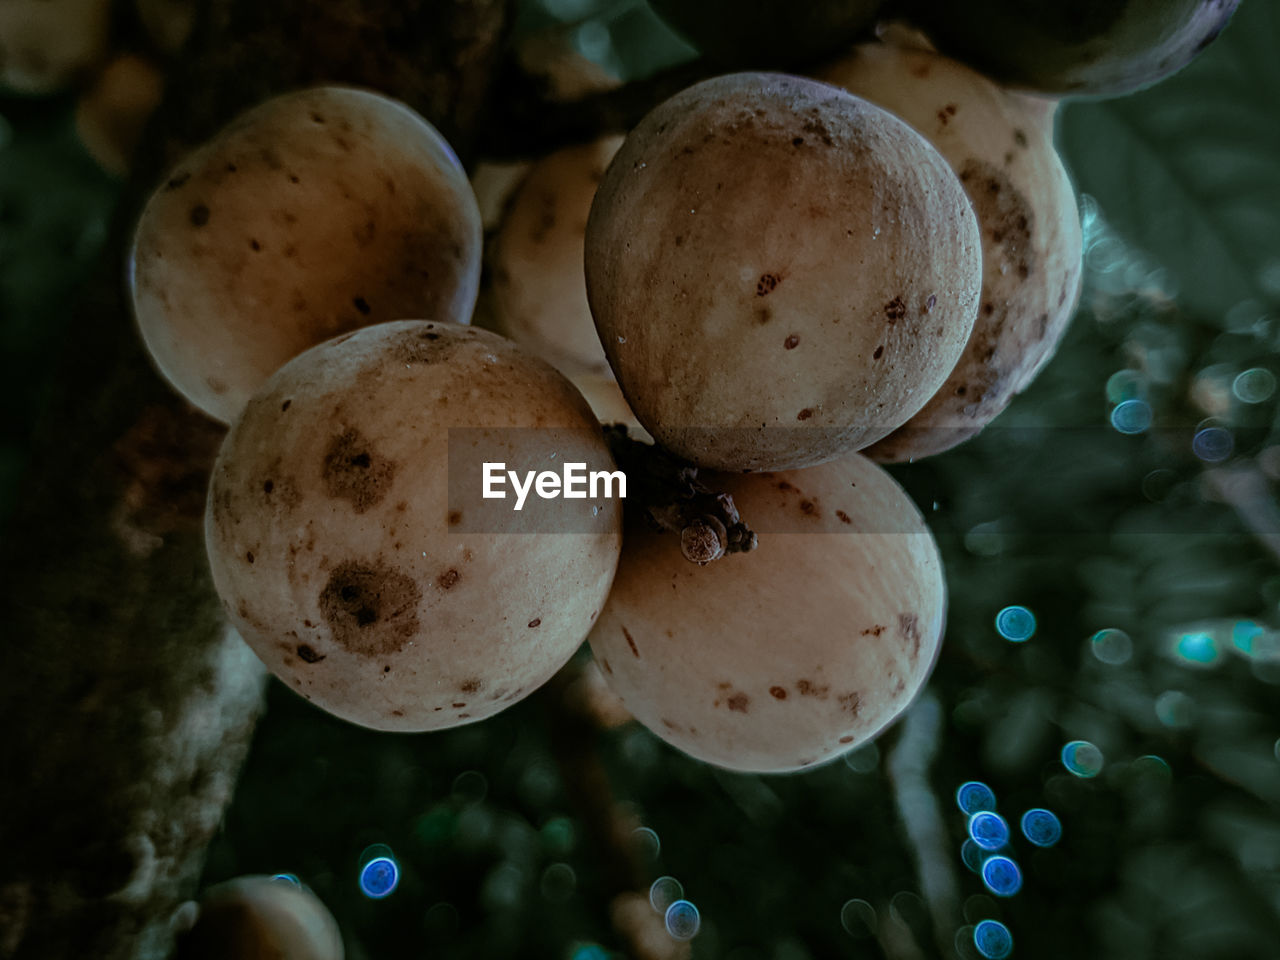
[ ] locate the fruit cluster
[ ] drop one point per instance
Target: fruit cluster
(776, 280)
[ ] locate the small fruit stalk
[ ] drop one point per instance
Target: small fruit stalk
(780, 272)
(312, 214)
(345, 561)
(790, 655)
(1001, 147)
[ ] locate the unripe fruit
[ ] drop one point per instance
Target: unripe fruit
(314, 213)
(1001, 146)
(46, 44)
(259, 918)
(1093, 47)
(539, 293)
(774, 33)
(791, 654)
(354, 569)
(780, 273)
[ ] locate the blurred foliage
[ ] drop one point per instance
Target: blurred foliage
(1172, 852)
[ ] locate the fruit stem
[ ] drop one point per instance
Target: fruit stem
(667, 492)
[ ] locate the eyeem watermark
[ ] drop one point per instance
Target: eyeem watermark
(573, 482)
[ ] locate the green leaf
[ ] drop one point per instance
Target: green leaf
(1189, 170)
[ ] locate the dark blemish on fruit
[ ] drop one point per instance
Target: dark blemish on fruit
(850, 703)
(387, 668)
(362, 305)
(216, 385)
(899, 685)
(308, 655)
(1042, 323)
(804, 414)
(249, 556)
(457, 706)
(448, 579)
(199, 215)
(767, 283)
(353, 473)
(293, 178)
(255, 246)
(797, 141)
(469, 686)
(791, 342)
(424, 347)
(535, 622)
(371, 608)
(738, 702)
(844, 517)
(784, 486)
(402, 506)
(605, 665)
(930, 303)
(946, 113)
(846, 740)
(961, 390)
(808, 688)
(778, 693)
(177, 181)
(679, 239)
(397, 713)
(668, 723)
(1020, 138)
(895, 309)
(316, 118)
(635, 652)
(455, 517)
(909, 626)
(873, 631)
(879, 352)
(764, 314)
(988, 308)
(268, 486)
(807, 506)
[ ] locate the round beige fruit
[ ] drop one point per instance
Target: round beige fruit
(793, 653)
(46, 44)
(1001, 146)
(780, 272)
(314, 213)
(353, 549)
(261, 918)
(539, 292)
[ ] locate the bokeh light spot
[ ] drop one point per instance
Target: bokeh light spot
(1197, 647)
(1213, 444)
(988, 830)
(683, 920)
(1112, 646)
(663, 892)
(1016, 624)
(290, 878)
(1174, 709)
(1002, 876)
(859, 919)
(1124, 385)
(972, 855)
(646, 842)
(1254, 386)
(1042, 827)
(1131, 417)
(975, 796)
(993, 940)
(379, 877)
(1082, 758)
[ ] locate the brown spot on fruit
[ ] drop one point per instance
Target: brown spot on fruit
(850, 702)
(879, 352)
(873, 631)
(778, 693)
(1020, 138)
(909, 626)
(308, 655)
(635, 652)
(807, 507)
(605, 666)
(804, 414)
(448, 579)
(353, 472)
(1005, 216)
(361, 304)
(767, 283)
(784, 486)
(199, 215)
(535, 622)
(469, 686)
(791, 342)
(846, 739)
(739, 702)
(808, 688)
(371, 608)
(455, 517)
(844, 517)
(895, 310)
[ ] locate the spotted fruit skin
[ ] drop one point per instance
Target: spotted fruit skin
(780, 272)
(539, 290)
(1099, 48)
(1001, 146)
(364, 570)
(315, 213)
(787, 656)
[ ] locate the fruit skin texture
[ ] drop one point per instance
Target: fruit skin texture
(354, 570)
(314, 213)
(755, 33)
(780, 273)
(539, 292)
(257, 918)
(789, 655)
(1001, 146)
(1088, 47)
